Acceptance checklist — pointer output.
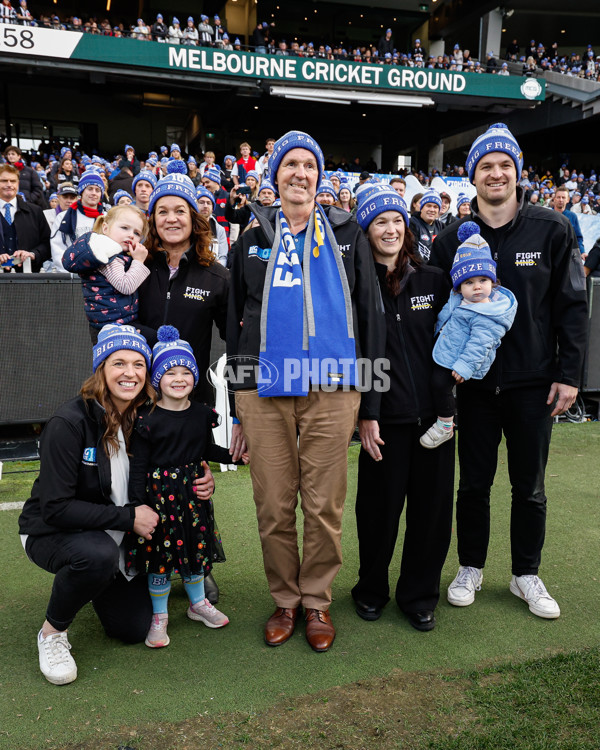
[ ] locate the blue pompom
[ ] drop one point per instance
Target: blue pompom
(498, 126)
(466, 230)
(167, 334)
(176, 166)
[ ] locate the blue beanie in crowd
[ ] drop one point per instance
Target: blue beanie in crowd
(127, 147)
(473, 257)
(213, 174)
(202, 192)
(326, 186)
(113, 337)
(90, 177)
(169, 352)
(175, 147)
(120, 194)
(462, 198)
(431, 196)
(253, 173)
(497, 138)
(266, 185)
(178, 185)
(289, 141)
(379, 201)
(145, 175)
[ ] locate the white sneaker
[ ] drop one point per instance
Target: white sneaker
(209, 615)
(56, 663)
(157, 635)
(461, 592)
(533, 591)
(435, 436)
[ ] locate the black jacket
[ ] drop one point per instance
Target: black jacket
(538, 259)
(31, 186)
(192, 301)
(410, 318)
(33, 232)
(424, 234)
(248, 279)
(72, 491)
(121, 181)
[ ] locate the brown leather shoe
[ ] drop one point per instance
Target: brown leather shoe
(320, 632)
(280, 625)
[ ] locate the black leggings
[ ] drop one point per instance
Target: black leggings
(442, 384)
(86, 568)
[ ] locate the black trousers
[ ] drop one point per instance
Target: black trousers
(524, 418)
(86, 568)
(424, 480)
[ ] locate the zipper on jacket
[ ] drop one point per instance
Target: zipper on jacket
(408, 367)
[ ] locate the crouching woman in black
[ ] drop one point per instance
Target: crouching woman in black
(74, 522)
(394, 468)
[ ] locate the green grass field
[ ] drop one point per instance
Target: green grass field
(489, 676)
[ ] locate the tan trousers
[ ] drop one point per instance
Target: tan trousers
(299, 444)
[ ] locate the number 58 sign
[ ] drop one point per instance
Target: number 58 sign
(39, 42)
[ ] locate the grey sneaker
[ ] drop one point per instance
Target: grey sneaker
(435, 436)
(532, 590)
(157, 635)
(56, 663)
(461, 592)
(209, 615)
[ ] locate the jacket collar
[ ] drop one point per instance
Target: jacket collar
(266, 218)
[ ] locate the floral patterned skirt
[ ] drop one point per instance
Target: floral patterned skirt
(186, 540)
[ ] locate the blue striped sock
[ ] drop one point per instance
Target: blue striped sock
(159, 587)
(194, 587)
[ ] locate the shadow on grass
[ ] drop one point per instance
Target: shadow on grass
(547, 704)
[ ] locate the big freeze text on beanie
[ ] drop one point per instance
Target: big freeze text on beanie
(112, 338)
(169, 352)
(377, 202)
(473, 257)
(496, 138)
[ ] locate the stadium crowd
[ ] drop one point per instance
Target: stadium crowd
(536, 59)
(227, 187)
(213, 33)
(55, 162)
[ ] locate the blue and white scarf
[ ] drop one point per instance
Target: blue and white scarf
(306, 328)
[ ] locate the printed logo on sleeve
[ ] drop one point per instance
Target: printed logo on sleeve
(263, 253)
(89, 457)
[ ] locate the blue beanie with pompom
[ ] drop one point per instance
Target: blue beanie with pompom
(473, 257)
(169, 352)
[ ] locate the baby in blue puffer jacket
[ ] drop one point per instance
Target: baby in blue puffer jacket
(470, 327)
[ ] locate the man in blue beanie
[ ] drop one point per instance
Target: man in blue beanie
(303, 306)
(535, 376)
